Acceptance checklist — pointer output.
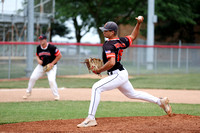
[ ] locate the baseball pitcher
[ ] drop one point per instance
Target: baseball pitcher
(117, 74)
(47, 56)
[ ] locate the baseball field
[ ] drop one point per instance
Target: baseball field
(116, 113)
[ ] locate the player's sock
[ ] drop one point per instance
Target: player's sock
(92, 117)
(158, 102)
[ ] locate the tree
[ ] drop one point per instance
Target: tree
(176, 20)
(74, 9)
(60, 29)
(94, 13)
(113, 10)
(174, 17)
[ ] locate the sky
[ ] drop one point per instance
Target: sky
(11, 6)
(90, 37)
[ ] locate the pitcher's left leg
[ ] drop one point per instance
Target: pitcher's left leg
(128, 90)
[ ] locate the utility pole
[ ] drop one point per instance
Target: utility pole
(29, 50)
(152, 18)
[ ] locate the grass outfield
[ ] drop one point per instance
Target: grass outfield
(54, 110)
(161, 81)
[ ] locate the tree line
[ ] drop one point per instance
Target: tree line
(176, 19)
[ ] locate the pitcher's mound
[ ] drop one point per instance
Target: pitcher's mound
(159, 124)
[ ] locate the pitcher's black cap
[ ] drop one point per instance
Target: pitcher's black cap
(41, 37)
(112, 26)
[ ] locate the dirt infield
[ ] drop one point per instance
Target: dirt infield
(156, 124)
(45, 94)
(178, 123)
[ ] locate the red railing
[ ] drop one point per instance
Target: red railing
(89, 44)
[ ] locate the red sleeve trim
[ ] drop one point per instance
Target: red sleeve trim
(36, 54)
(110, 55)
(57, 53)
(129, 39)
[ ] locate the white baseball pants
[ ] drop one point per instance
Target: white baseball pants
(119, 80)
(38, 72)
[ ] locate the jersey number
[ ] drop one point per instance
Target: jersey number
(119, 56)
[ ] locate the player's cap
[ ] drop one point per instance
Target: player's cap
(42, 37)
(112, 26)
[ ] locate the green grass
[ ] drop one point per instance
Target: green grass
(43, 83)
(16, 70)
(167, 81)
(160, 81)
(54, 110)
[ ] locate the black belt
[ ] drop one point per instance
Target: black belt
(115, 71)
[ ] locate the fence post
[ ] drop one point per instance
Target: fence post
(79, 59)
(155, 60)
(9, 61)
(187, 62)
(138, 60)
(171, 60)
(179, 54)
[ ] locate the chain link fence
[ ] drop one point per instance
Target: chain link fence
(166, 59)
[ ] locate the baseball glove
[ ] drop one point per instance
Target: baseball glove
(93, 64)
(47, 68)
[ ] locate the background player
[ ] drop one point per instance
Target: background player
(46, 54)
(118, 75)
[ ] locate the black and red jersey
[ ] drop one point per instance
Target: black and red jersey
(114, 48)
(48, 54)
